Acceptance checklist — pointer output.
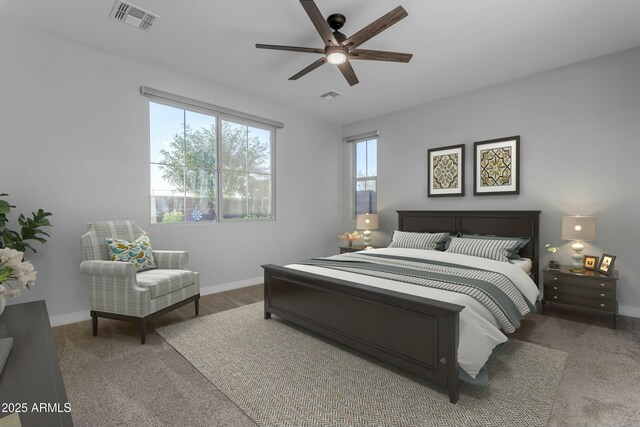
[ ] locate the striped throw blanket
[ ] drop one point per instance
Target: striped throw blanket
(493, 290)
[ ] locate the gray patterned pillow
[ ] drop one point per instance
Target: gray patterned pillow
(513, 252)
(428, 241)
(497, 249)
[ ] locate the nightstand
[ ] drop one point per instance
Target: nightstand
(589, 290)
(354, 248)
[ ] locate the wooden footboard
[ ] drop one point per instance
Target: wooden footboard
(417, 334)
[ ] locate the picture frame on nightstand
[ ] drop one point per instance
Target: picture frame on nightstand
(606, 263)
(590, 262)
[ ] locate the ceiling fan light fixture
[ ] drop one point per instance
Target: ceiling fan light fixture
(338, 48)
(336, 56)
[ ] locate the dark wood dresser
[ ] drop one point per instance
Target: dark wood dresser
(589, 290)
(32, 374)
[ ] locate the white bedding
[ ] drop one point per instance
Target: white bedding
(479, 331)
(524, 263)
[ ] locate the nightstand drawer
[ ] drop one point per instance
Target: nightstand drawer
(580, 301)
(582, 281)
(586, 290)
(579, 291)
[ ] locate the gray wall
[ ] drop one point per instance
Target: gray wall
(580, 148)
(75, 142)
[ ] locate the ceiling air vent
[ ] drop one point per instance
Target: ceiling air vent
(133, 15)
(331, 95)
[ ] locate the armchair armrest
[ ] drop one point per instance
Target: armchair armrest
(107, 268)
(173, 260)
(113, 288)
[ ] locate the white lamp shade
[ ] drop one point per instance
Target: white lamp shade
(367, 222)
(578, 228)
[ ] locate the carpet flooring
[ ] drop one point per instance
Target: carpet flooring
(282, 375)
(599, 385)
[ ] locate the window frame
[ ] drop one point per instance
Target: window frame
(354, 164)
(219, 118)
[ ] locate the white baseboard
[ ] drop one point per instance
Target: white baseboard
(79, 316)
(627, 310)
(64, 319)
(214, 289)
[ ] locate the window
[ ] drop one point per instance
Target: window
(207, 168)
(366, 175)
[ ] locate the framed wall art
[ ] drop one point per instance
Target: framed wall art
(606, 263)
(590, 262)
(445, 171)
(496, 166)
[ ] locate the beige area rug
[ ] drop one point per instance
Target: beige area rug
(279, 374)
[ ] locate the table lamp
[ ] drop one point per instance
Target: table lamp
(367, 222)
(578, 228)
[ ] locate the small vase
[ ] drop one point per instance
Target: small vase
(2, 304)
(350, 243)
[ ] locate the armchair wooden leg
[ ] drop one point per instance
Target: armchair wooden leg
(94, 322)
(143, 328)
(197, 304)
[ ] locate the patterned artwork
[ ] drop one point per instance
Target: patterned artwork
(445, 171)
(495, 167)
(445, 175)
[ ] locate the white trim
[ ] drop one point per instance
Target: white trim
(627, 310)
(374, 134)
(214, 289)
(163, 97)
(64, 319)
(79, 316)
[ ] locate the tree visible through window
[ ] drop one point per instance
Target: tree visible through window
(204, 168)
(366, 176)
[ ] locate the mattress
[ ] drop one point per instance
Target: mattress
(479, 331)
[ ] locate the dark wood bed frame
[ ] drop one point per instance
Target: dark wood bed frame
(417, 334)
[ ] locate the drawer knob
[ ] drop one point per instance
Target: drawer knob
(601, 305)
(555, 288)
(555, 297)
(601, 295)
(602, 284)
(555, 278)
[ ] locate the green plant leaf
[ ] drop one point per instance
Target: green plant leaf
(5, 207)
(30, 228)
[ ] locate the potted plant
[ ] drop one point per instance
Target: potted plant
(553, 264)
(15, 273)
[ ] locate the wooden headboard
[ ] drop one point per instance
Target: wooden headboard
(497, 223)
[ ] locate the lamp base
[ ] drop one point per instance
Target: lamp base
(577, 265)
(366, 239)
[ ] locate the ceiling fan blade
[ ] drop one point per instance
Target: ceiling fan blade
(319, 22)
(290, 48)
(347, 71)
(379, 55)
(310, 68)
(376, 27)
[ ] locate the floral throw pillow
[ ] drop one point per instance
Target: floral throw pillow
(137, 252)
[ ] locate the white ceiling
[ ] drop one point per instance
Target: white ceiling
(458, 45)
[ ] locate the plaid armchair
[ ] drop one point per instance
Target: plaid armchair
(117, 291)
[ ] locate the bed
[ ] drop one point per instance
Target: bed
(415, 333)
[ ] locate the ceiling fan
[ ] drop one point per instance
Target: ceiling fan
(338, 48)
